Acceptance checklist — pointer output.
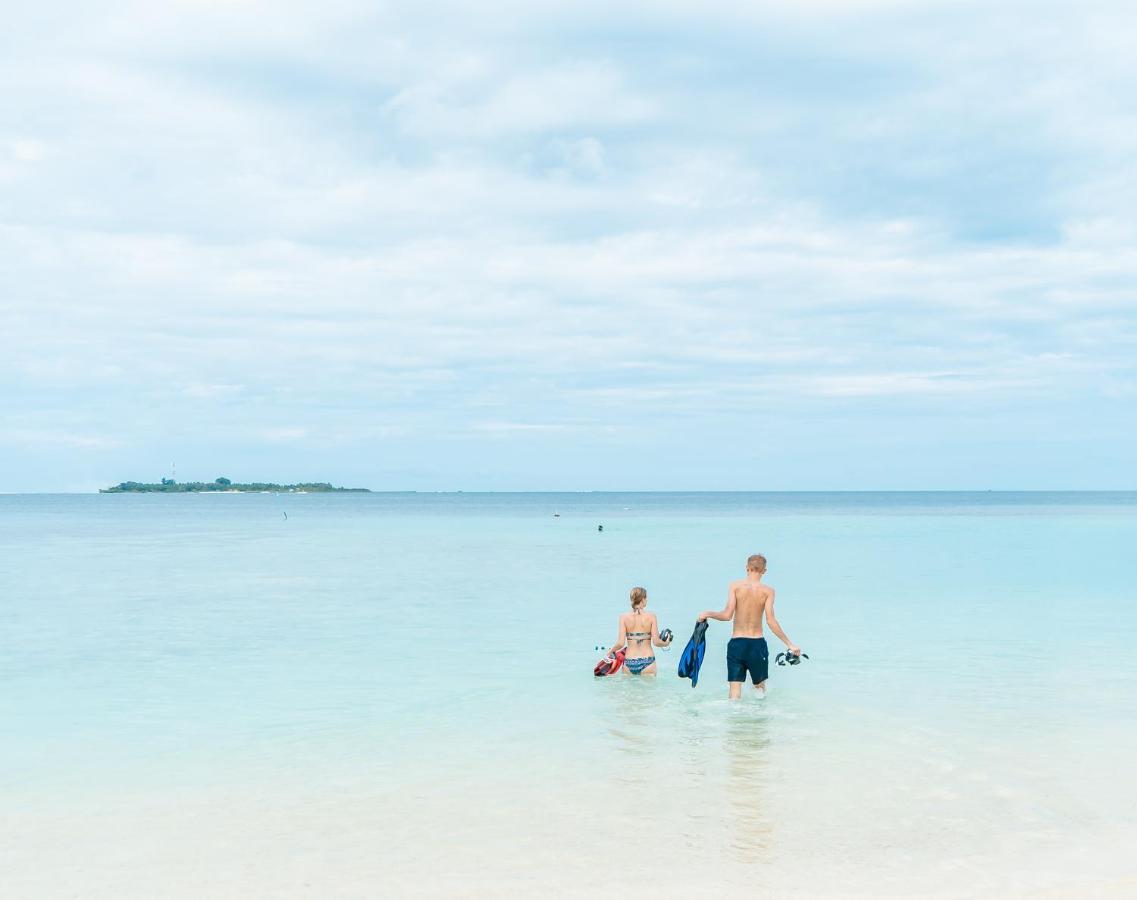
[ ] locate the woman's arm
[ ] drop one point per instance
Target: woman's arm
(655, 633)
(727, 612)
(621, 638)
(772, 621)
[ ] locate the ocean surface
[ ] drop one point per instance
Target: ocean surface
(391, 695)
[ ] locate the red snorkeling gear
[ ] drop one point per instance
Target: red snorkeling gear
(610, 664)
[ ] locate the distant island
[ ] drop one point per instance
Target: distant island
(225, 486)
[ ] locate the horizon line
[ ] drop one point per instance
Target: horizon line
(1128, 490)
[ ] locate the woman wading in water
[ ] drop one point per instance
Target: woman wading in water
(639, 630)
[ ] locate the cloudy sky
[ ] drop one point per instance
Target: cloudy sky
(863, 244)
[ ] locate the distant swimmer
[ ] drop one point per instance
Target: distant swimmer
(599, 527)
(639, 629)
(747, 601)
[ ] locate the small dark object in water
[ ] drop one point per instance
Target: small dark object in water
(599, 527)
(790, 659)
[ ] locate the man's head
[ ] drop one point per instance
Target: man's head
(756, 563)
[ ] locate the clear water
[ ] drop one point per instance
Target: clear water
(391, 694)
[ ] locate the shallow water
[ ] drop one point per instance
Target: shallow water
(393, 693)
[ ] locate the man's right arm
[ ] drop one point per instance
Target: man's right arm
(727, 612)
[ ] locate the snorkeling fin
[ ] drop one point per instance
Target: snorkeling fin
(692, 658)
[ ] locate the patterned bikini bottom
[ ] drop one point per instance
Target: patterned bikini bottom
(635, 666)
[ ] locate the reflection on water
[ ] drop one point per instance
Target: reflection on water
(634, 740)
(699, 763)
(746, 746)
(632, 701)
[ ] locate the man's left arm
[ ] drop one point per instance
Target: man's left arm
(772, 621)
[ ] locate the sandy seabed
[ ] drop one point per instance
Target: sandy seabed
(424, 843)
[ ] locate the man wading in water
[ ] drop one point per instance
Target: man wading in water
(746, 602)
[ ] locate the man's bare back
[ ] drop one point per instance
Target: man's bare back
(750, 599)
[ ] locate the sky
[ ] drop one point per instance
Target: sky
(824, 245)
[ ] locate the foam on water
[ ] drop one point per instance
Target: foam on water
(199, 693)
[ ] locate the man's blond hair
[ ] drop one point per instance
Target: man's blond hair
(756, 563)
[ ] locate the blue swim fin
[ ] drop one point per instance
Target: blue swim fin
(692, 658)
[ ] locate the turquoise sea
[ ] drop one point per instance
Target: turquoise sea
(390, 695)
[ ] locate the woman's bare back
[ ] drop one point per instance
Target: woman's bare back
(639, 628)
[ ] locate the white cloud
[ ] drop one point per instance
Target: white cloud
(507, 428)
(469, 102)
(212, 391)
(287, 433)
(39, 440)
(584, 156)
(26, 150)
